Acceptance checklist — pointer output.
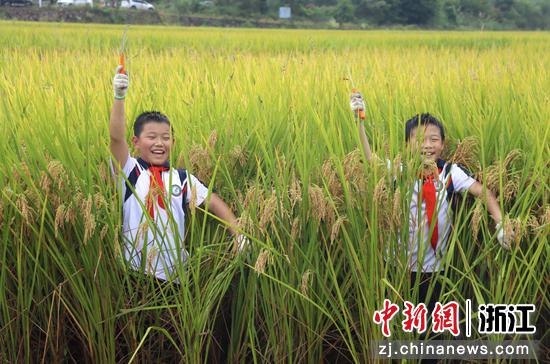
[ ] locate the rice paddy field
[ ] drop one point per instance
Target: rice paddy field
(263, 116)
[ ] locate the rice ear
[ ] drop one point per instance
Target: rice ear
(476, 219)
(263, 259)
(306, 277)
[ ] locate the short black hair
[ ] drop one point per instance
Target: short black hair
(147, 117)
(422, 119)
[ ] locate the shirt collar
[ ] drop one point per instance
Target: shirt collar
(146, 165)
(440, 163)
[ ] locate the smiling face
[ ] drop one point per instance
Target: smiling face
(154, 142)
(427, 140)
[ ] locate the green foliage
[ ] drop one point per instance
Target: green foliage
(523, 14)
(344, 11)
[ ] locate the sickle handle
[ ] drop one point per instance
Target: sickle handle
(121, 63)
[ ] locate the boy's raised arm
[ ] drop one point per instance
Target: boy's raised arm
(117, 123)
(358, 107)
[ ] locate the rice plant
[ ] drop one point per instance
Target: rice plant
(262, 116)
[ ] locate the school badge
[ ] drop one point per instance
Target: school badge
(176, 190)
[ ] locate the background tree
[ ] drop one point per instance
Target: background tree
(344, 11)
(419, 12)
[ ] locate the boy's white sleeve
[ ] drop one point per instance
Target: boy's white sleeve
(202, 190)
(127, 168)
(462, 180)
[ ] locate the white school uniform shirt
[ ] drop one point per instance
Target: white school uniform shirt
(157, 247)
(420, 253)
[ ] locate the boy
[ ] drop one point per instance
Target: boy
(153, 215)
(430, 229)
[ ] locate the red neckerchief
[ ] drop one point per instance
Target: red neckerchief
(156, 186)
(429, 197)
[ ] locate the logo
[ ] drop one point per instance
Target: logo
(492, 318)
(176, 190)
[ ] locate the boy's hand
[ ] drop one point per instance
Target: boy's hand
(356, 102)
(504, 239)
(120, 84)
(241, 243)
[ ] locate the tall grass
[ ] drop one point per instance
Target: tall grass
(262, 116)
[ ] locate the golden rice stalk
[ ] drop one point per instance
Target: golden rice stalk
(193, 200)
(306, 277)
(336, 228)
(99, 201)
(89, 227)
(396, 165)
(238, 155)
(250, 197)
(1, 210)
(281, 167)
(380, 194)
(511, 188)
(16, 176)
(518, 230)
(466, 153)
(103, 175)
(234, 203)
(317, 202)
(24, 208)
(34, 198)
(263, 259)
(295, 230)
(533, 223)
(26, 171)
(116, 242)
(294, 192)
(513, 155)
(476, 219)
(212, 139)
(79, 198)
(103, 232)
(269, 209)
(142, 230)
(544, 217)
(382, 200)
(244, 222)
(89, 219)
(45, 183)
(70, 214)
(59, 219)
(200, 163)
(332, 180)
(509, 227)
(152, 254)
(396, 208)
(354, 172)
(86, 206)
(429, 167)
(386, 149)
(57, 172)
(492, 177)
(180, 159)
